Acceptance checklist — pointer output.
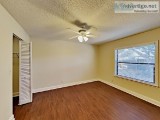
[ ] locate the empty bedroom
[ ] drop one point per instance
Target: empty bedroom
(79, 60)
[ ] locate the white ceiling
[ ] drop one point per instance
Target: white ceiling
(49, 19)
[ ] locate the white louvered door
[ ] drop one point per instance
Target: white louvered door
(25, 88)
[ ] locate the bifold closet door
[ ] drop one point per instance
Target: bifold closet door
(25, 78)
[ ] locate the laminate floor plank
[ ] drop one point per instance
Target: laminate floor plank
(91, 101)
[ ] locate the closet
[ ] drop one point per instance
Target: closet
(22, 71)
(15, 70)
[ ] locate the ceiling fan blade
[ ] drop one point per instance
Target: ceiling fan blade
(73, 31)
(90, 35)
(87, 32)
(73, 37)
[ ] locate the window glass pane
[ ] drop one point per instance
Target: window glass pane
(137, 63)
(140, 54)
(137, 71)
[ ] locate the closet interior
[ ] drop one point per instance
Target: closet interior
(15, 70)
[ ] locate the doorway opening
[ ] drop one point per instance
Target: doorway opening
(22, 72)
(15, 70)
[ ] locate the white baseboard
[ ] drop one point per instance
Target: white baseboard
(62, 85)
(16, 94)
(145, 98)
(12, 118)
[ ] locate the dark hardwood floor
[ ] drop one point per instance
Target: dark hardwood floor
(91, 101)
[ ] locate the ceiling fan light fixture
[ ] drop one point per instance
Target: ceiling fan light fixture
(85, 39)
(83, 35)
(80, 38)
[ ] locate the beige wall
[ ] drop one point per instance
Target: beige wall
(106, 63)
(60, 62)
(15, 67)
(8, 27)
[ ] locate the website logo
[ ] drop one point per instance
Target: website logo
(136, 7)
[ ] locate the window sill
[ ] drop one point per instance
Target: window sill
(139, 81)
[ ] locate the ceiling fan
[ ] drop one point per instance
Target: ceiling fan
(84, 33)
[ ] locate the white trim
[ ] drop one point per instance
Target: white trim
(145, 98)
(31, 70)
(12, 118)
(20, 42)
(62, 85)
(15, 94)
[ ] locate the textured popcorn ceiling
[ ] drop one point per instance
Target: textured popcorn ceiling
(50, 19)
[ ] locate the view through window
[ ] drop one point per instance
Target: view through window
(136, 63)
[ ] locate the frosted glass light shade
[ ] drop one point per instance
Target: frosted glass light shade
(85, 38)
(80, 38)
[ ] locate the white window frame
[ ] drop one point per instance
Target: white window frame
(156, 64)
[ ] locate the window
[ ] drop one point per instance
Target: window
(136, 63)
